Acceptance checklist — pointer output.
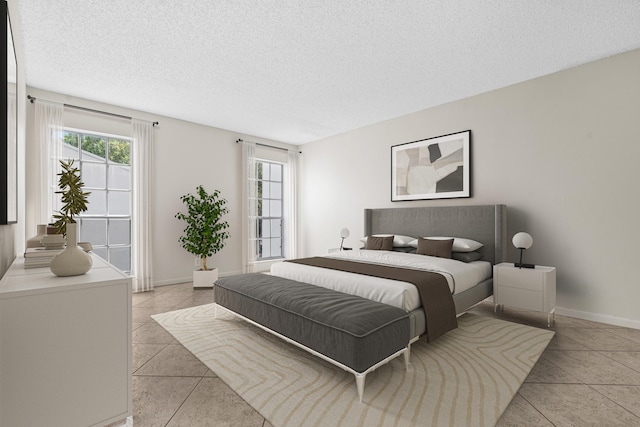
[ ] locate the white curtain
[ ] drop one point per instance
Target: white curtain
(290, 204)
(249, 206)
(50, 125)
(142, 136)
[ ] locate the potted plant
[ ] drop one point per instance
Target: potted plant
(205, 232)
(74, 200)
(72, 261)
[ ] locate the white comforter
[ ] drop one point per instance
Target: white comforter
(460, 276)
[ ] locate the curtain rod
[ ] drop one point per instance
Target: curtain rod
(33, 98)
(269, 146)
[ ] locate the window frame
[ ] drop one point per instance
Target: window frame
(260, 200)
(108, 217)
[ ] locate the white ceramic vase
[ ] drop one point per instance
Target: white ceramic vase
(72, 261)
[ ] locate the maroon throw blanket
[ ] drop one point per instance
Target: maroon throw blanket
(433, 288)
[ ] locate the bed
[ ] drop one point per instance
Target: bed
(486, 224)
(277, 305)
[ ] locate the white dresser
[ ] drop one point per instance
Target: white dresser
(65, 347)
(528, 288)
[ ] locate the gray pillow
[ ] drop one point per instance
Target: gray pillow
(379, 243)
(466, 256)
(407, 249)
(439, 248)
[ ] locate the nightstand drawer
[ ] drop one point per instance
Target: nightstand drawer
(523, 298)
(522, 278)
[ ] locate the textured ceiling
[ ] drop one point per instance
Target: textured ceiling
(298, 71)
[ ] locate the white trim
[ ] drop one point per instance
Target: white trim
(360, 376)
(187, 279)
(174, 281)
(596, 317)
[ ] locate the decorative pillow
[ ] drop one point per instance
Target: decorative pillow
(437, 247)
(379, 243)
(459, 244)
(399, 241)
(466, 256)
(407, 249)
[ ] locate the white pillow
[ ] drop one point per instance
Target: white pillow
(399, 241)
(459, 244)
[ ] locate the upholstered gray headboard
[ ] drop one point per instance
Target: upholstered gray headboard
(486, 224)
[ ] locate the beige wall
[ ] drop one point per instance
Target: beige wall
(560, 151)
(185, 155)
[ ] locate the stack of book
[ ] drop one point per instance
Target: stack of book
(39, 257)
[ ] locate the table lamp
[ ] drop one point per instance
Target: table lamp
(344, 233)
(523, 241)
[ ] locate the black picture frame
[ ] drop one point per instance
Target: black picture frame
(9, 130)
(432, 168)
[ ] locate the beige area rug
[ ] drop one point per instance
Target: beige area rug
(465, 378)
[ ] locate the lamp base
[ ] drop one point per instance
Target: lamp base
(521, 265)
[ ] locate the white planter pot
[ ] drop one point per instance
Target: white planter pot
(204, 278)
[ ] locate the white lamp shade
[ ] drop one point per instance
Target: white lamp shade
(344, 233)
(522, 240)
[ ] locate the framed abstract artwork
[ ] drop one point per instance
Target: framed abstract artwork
(432, 168)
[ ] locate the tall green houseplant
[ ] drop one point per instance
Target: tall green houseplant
(74, 200)
(205, 232)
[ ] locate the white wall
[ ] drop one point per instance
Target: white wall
(185, 155)
(560, 151)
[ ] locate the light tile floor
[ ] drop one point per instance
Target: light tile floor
(588, 376)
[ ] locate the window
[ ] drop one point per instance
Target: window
(268, 205)
(270, 210)
(105, 167)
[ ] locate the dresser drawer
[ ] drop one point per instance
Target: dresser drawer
(521, 278)
(523, 298)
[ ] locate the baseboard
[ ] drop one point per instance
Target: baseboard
(230, 273)
(174, 281)
(178, 280)
(596, 317)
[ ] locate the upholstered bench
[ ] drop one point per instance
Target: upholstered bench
(354, 333)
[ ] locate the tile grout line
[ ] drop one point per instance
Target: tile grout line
(152, 357)
(611, 400)
(534, 407)
(186, 398)
(603, 353)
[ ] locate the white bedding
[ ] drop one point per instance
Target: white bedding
(460, 275)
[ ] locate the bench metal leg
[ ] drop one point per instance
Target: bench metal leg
(360, 384)
(407, 353)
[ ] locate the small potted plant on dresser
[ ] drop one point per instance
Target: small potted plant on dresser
(72, 261)
(205, 232)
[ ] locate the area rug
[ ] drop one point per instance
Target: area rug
(464, 378)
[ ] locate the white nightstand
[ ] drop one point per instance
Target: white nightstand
(529, 288)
